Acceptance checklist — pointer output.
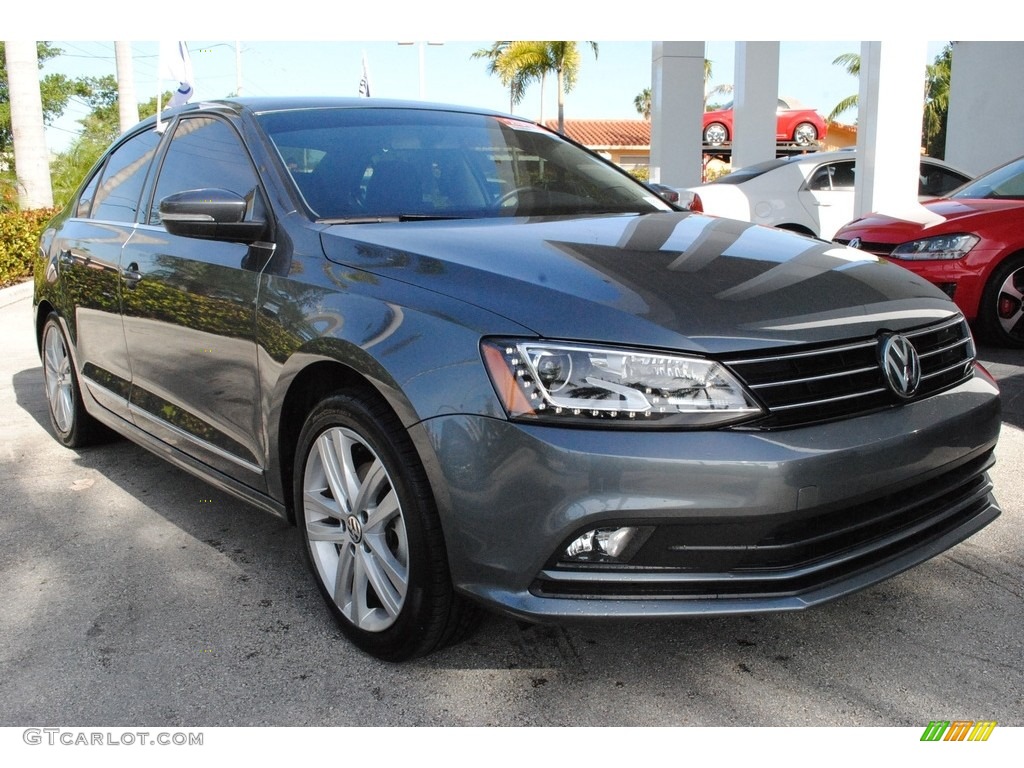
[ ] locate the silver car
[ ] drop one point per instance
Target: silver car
(477, 365)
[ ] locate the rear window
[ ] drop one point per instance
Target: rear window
(753, 171)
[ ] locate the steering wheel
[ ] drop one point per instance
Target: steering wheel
(504, 200)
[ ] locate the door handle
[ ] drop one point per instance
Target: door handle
(131, 275)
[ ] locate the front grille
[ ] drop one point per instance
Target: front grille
(822, 383)
(762, 558)
(878, 249)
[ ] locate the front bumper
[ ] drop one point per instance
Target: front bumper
(744, 521)
(963, 280)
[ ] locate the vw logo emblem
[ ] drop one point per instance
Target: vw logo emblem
(855, 243)
(355, 529)
(901, 367)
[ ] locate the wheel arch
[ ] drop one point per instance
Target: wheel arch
(42, 310)
(982, 318)
(309, 385)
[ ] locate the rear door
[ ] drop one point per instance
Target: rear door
(827, 196)
(89, 248)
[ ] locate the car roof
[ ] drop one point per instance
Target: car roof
(740, 175)
(260, 104)
(265, 104)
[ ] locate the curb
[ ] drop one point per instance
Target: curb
(15, 293)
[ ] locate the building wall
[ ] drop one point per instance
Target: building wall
(985, 119)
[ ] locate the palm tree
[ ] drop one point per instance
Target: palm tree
(493, 55)
(31, 158)
(851, 63)
(642, 102)
(521, 62)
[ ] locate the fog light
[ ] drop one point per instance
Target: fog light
(607, 544)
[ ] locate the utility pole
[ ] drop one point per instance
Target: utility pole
(127, 104)
(238, 67)
(31, 158)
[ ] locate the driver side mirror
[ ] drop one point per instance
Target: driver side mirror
(210, 214)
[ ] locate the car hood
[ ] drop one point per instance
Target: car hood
(676, 280)
(958, 214)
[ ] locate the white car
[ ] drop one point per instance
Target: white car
(810, 193)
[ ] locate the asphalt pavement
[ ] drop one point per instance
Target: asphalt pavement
(133, 593)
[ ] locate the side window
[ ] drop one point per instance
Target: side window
(833, 176)
(116, 197)
(85, 199)
(842, 176)
(821, 179)
(204, 153)
(936, 181)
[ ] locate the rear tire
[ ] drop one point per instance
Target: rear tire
(371, 532)
(805, 134)
(716, 134)
(72, 425)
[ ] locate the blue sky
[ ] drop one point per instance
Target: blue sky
(315, 47)
(606, 87)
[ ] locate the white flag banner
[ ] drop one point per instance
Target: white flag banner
(364, 83)
(175, 65)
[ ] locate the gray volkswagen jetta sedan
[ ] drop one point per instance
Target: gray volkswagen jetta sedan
(478, 365)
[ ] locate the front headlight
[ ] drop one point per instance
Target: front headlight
(938, 247)
(601, 386)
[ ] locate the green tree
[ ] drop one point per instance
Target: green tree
(521, 62)
(56, 91)
(99, 128)
(642, 102)
(493, 56)
(936, 98)
(936, 103)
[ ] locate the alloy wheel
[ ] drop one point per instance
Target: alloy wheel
(356, 529)
(58, 377)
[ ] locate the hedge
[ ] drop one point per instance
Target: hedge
(19, 242)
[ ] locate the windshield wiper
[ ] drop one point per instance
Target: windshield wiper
(389, 219)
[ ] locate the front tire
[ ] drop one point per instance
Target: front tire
(1002, 304)
(72, 425)
(371, 533)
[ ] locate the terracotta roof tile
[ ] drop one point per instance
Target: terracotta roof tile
(598, 134)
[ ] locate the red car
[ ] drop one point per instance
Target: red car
(976, 255)
(800, 126)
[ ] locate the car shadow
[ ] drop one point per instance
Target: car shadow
(219, 593)
(1005, 366)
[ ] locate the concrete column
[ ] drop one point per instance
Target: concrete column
(889, 113)
(755, 99)
(677, 102)
(986, 104)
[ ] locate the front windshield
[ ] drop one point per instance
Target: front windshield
(357, 164)
(1004, 183)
